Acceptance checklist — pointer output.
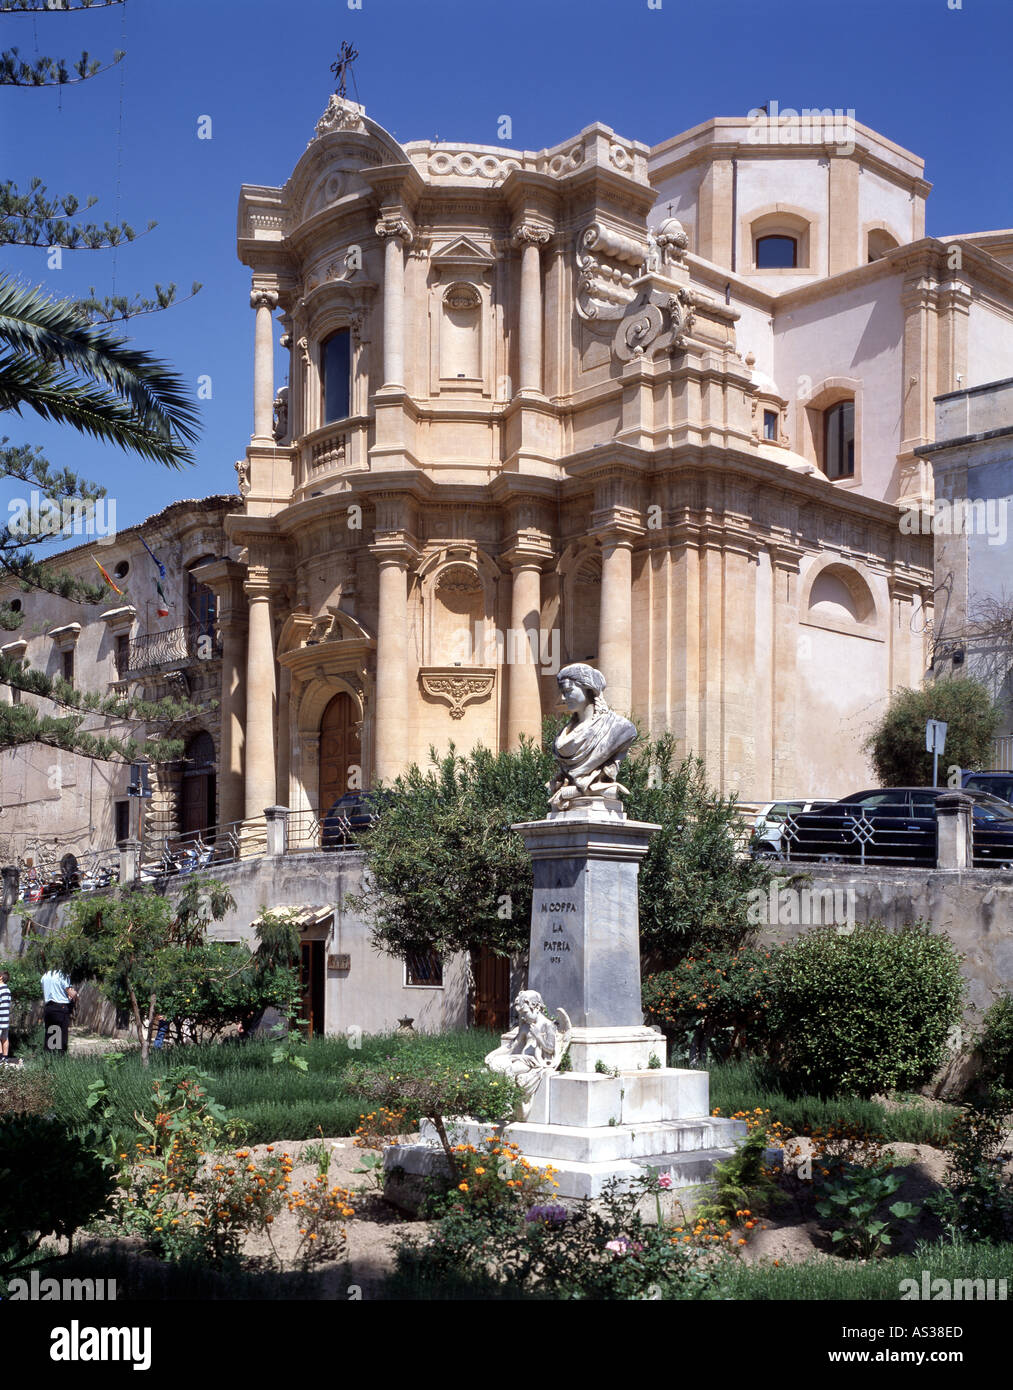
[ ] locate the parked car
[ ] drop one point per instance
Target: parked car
(901, 828)
(767, 839)
(350, 815)
(998, 783)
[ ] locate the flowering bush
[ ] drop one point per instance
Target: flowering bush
(416, 1084)
(597, 1251)
(321, 1209)
(496, 1175)
(716, 1002)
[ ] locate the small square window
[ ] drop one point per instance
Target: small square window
(770, 425)
(776, 253)
(423, 968)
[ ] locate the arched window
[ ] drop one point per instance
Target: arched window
(839, 440)
(880, 242)
(336, 371)
(776, 252)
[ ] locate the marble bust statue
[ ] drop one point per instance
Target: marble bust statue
(593, 742)
(532, 1049)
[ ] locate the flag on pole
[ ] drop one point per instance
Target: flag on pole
(161, 567)
(163, 602)
(105, 576)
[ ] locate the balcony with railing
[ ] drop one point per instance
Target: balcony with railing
(175, 647)
(340, 447)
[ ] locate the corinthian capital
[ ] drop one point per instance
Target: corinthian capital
(530, 234)
(264, 299)
(398, 227)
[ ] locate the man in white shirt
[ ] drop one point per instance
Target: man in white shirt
(57, 995)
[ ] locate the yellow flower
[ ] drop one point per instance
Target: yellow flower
(462, 1187)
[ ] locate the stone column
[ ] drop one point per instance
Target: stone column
(261, 789)
(954, 831)
(265, 302)
(524, 703)
(226, 578)
(277, 829)
(397, 235)
(284, 731)
(391, 665)
(231, 806)
(530, 237)
(615, 621)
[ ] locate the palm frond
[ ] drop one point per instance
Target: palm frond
(52, 343)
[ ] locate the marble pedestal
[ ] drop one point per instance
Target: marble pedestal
(633, 1114)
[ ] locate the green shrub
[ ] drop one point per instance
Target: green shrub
(897, 745)
(867, 1011)
(996, 1043)
(716, 1003)
(51, 1183)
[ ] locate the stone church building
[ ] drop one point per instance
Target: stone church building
(655, 409)
(662, 410)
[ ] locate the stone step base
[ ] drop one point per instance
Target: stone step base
(601, 1144)
(575, 1180)
(592, 1099)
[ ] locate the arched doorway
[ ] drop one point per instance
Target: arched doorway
(197, 790)
(340, 750)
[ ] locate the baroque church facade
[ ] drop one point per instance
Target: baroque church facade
(654, 409)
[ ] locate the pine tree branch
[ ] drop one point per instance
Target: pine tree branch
(118, 309)
(51, 72)
(119, 707)
(55, 6)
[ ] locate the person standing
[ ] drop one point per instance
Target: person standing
(5, 1015)
(57, 996)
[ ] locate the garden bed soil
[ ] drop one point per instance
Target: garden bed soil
(786, 1235)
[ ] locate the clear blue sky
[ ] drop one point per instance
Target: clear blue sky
(934, 79)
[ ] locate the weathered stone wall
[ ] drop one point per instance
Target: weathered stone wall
(973, 907)
(370, 995)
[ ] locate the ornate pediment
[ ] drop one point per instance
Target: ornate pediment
(461, 251)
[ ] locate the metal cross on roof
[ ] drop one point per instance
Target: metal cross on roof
(342, 67)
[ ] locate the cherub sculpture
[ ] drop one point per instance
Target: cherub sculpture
(590, 747)
(532, 1049)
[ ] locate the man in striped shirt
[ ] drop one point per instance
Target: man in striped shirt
(5, 1014)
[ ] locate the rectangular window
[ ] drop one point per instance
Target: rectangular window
(68, 665)
(122, 813)
(770, 425)
(423, 968)
(122, 656)
(839, 440)
(336, 365)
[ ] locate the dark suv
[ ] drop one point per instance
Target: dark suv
(899, 826)
(996, 783)
(350, 815)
